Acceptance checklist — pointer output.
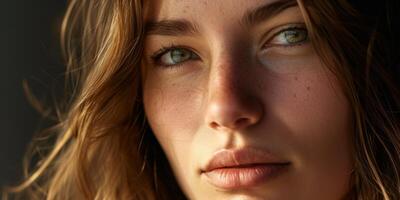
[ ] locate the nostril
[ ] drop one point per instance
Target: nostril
(214, 125)
(241, 122)
(236, 124)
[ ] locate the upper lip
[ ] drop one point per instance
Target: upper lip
(242, 157)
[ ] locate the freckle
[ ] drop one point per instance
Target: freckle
(295, 78)
(308, 88)
(295, 95)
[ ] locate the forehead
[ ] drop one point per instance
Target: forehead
(200, 10)
(219, 16)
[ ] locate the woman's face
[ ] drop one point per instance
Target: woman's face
(241, 103)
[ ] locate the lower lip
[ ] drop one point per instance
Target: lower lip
(244, 177)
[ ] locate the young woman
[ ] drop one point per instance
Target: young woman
(233, 99)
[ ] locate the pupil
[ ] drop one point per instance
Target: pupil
(177, 55)
(294, 36)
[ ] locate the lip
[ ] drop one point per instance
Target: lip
(243, 168)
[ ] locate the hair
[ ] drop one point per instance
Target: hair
(103, 148)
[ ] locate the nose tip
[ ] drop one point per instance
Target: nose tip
(233, 114)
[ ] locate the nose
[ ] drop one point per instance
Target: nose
(232, 103)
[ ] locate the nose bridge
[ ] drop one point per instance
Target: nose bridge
(231, 103)
(229, 66)
(229, 74)
(225, 77)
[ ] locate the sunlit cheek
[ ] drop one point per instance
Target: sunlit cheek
(172, 106)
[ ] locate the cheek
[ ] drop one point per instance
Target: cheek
(318, 121)
(173, 113)
(314, 110)
(172, 108)
(322, 114)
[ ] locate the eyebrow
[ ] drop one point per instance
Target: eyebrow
(263, 13)
(176, 27)
(171, 27)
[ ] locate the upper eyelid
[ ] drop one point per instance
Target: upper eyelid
(271, 33)
(161, 51)
(170, 47)
(165, 49)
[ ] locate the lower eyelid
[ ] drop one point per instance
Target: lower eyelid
(289, 51)
(266, 47)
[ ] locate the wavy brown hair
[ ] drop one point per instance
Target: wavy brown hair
(102, 147)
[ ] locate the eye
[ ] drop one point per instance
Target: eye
(289, 37)
(173, 55)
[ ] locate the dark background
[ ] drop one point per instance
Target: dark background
(29, 50)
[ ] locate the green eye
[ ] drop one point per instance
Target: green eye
(176, 56)
(290, 36)
(295, 36)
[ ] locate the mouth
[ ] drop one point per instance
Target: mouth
(243, 168)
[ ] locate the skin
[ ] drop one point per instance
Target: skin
(240, 93)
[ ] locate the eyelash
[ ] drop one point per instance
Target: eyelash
(155, 57)
(288, 28)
